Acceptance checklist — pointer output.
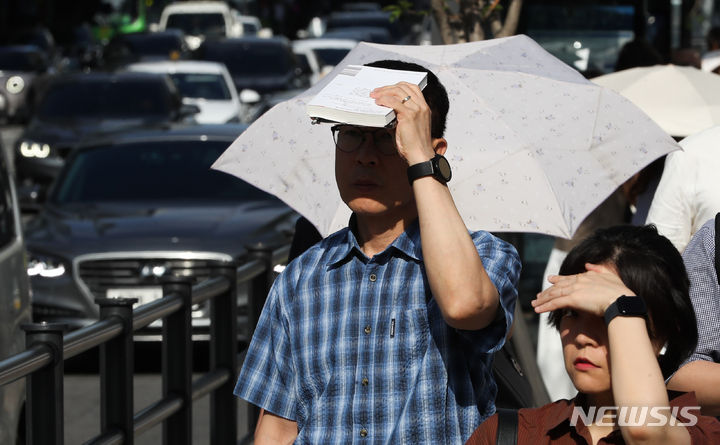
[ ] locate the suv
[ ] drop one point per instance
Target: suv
(14, 304)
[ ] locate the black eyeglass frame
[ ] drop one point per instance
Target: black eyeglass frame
(382, 148)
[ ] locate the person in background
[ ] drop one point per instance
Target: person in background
(626, 322)
(701, 372)
(384, 331)
(687, 195)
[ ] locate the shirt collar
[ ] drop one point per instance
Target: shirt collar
(408, 243)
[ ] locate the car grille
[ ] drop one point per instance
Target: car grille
(99, 275)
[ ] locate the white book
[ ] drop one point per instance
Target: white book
(346, 99)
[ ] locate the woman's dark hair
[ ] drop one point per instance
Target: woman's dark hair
(650, 266)
(434, 93)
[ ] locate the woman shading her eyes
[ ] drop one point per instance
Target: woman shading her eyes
(626, 323)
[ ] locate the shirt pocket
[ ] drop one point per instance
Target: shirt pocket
(411, 334)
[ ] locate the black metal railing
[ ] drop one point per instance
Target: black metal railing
(47, 346)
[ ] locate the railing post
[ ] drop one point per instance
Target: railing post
(44, 403)
(223, 355)
(257, 294)
(177, 362)
(116, 370)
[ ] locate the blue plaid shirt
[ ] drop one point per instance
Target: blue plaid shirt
(355, 349)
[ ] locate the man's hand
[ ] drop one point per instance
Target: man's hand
(412, 133)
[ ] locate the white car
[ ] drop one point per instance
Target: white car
(207, 85)
(322, 54)
(200, 20)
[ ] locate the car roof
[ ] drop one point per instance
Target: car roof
(101, 76)
(201, 7)
(275, 40)
(207, 132)
(324, 43)
(178, 66)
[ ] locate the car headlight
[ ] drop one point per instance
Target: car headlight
(45, 266)
(30, 149)
(15, 85)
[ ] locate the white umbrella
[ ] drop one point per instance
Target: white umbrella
(534, 146)
(683, 100)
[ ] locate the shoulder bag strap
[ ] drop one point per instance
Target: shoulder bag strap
(717, 255)
(507, 431)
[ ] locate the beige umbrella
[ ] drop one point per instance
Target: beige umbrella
(682, 100)
(534, 146)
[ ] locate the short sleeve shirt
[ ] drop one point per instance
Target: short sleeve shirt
(355, 349)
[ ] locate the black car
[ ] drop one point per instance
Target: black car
(124, 49)
(75, 106)
(137, 206)
(265, 65)
(20, 67)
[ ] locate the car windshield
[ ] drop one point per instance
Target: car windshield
(267, 59)
(583, 36)
(197, 24)
(161, 171)
(330, 56)
(152, 45)
(14, 60)
(205, 86)
(106, 99)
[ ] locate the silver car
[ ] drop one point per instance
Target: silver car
(14, 303)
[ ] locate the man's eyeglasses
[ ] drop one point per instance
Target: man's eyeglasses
(349, 138)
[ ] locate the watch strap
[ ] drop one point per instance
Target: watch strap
(620, 307)
(420, 170)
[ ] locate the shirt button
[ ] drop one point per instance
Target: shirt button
(373, 277)
(367, 329)
(365, 381)
(363, 432)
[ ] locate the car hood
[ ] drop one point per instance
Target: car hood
(71, 131)
(74, 230)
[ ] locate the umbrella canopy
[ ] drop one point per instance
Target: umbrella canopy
(533, 145)
(683, 100)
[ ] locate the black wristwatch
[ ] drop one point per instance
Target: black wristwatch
(437, 167)
(626, 306)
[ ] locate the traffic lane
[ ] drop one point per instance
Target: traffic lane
(82, 409)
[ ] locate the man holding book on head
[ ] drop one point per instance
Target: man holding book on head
(384, 331)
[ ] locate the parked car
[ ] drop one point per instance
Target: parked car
(321, 55)
(264, 65)
(78, 105)
(134, 207)
(200, 20)
(20, 67)
(146, 46)
(14, 305)
(367, 19)
(205, 84)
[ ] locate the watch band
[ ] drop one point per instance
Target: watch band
(626, 306)
(420, 170)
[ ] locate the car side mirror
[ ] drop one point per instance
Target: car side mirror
(248, 96)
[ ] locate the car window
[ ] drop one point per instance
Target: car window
(7, 218)
(206, 86)
(207, 24)
(330, 56)
(152, 45)
(167, 171)
(248, 58)
(111, 99)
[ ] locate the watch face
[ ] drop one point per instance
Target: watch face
(443, 167)
(631, 305)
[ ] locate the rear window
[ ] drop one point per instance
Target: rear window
(195, 24)
(152, 45)
(204, 86)
(133, 98)
(251, 58)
